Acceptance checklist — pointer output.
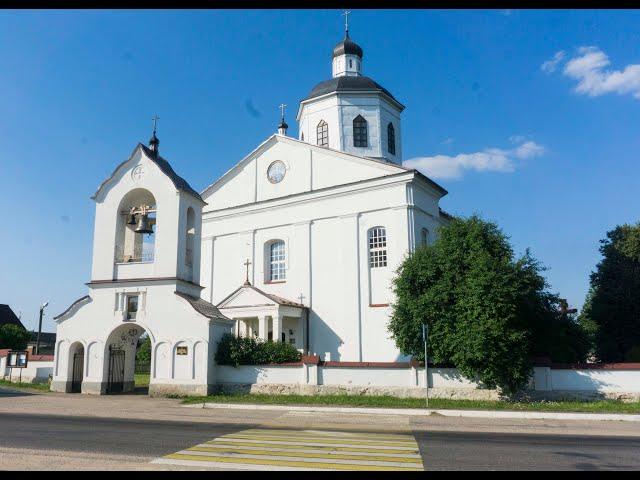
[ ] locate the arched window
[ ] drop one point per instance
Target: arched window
(377, 247)
(322, 132)
(424, 236)
(277, 261)
(190, 234)
(359, 132)
(391, 139)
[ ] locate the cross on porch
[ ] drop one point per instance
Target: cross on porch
(246, 280)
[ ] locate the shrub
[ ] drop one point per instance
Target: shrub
(252, 351)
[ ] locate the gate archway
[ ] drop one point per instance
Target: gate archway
(120, 356)
(76, 367)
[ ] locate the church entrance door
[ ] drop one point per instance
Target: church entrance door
(77, 373)
(116, 371)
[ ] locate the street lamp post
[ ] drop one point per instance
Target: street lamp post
(425, 337)
(42, 307)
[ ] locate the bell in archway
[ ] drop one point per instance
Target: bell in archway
(143, 224)
(132, 219)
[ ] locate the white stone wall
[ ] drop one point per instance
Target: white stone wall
(408, 381)
(35, 372)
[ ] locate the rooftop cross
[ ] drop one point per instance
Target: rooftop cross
(301, 297)
(346, 21)
(155, 122)
(282, 105)
(246, 264)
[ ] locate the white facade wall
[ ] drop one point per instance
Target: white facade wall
(168, 320)
(326, 240)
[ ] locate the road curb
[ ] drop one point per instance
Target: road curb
(426, 412)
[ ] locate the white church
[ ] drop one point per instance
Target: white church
(298, 243)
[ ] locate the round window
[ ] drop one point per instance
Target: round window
(276, 171)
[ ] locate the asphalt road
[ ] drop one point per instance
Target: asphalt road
(150, 439)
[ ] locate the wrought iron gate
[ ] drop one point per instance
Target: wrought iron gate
(116, 371)
(76, 376)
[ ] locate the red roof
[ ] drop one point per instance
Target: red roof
(30, 358)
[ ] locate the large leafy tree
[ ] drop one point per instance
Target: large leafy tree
(612, 308)
(488, 313)
(13, 337)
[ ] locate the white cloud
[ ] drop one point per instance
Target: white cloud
(550, 65)
(447, 141)
(517, 138)
(488, 160)
(587, 67)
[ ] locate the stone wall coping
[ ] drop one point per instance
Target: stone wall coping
(595, 366)
(315, 360)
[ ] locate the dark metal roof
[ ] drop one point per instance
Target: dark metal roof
(346, 84)
(446, 215)
(8, 317)
(179, 182)
(81, 299)
(347, 47)
(46, 338)
(203, 307)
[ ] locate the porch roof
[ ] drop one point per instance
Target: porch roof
(249, 297)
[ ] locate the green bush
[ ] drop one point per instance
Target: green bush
(252, 351)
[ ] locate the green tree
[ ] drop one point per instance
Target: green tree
(487, 312)
(143, 354)
(13, 337)
(611, 312)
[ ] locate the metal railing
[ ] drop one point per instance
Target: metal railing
(135, 255)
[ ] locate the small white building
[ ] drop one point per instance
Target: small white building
(298, 242)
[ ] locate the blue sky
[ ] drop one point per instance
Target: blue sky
(547, 150)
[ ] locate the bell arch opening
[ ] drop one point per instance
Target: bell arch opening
(136, 225)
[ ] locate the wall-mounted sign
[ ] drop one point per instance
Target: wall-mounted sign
(181, 350)
(17, 359)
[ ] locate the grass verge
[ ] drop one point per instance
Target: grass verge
(141, 379)
(33, 386)
(599, 406)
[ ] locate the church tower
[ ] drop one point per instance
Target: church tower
(351, 112)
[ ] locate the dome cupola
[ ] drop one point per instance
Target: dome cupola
(347, 47)
(347, 57)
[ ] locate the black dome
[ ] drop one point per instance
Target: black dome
(347, 83)
(348, 47)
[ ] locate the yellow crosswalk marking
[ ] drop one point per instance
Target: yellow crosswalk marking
(287, 463)
(273, 448)
(315, 441)
(328, 454)
(222, 441)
